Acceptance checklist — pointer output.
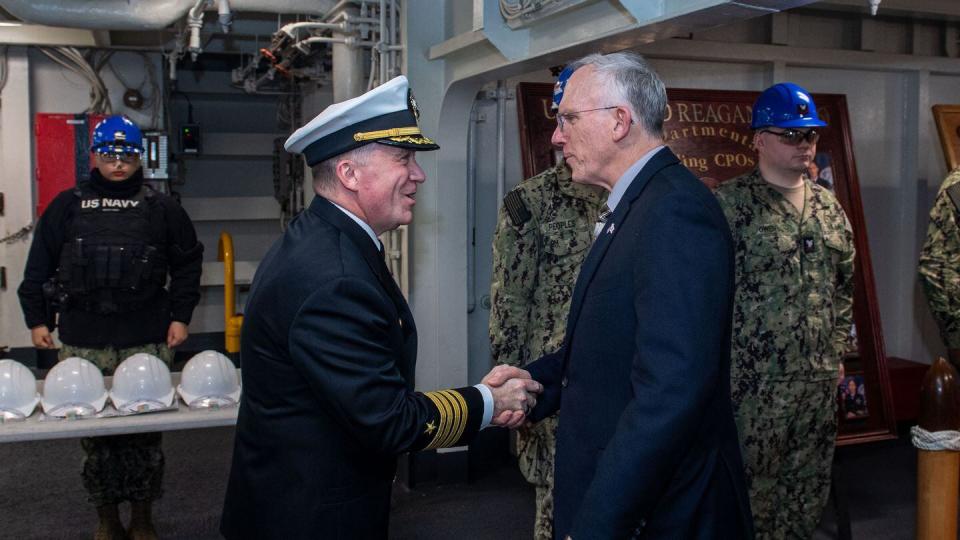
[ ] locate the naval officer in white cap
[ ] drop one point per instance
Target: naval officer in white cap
(329, 344)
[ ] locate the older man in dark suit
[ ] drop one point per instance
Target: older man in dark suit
(329, 343)
(647, 445)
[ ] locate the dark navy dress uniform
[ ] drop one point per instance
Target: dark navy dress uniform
(328, 352)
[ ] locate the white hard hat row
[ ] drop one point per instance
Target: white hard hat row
(141, 383)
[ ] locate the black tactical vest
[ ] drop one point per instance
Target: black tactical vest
(113, 260)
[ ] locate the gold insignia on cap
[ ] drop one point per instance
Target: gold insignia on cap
(430, 428)
(452, 410)
(412, 104)
(385, 133)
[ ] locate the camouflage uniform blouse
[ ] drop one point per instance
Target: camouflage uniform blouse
(940, 264)
(794, 278)
(536, 262)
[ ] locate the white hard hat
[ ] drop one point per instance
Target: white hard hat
(73, 387)
(18, 390)
(141, 383)
(209, 380)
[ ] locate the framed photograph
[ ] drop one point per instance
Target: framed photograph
(709, 130)
(947, 118)
(852, 398)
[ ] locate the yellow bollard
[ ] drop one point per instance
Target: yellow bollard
(938, 472)
(232, 322)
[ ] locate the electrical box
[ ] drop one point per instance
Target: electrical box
(190, 138)
(62, 145)
(155, 156)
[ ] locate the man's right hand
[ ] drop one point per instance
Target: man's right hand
(42, 339)
(514, 395)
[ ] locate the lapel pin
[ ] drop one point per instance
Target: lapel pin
(612, 227)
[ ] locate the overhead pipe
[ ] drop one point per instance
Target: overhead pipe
(140, 14)
(292, 28)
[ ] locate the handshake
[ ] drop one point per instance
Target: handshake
(514, 395)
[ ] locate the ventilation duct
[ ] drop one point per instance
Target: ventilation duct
(139, 14)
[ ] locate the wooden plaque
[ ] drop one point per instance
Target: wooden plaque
(536, 127)
(709, 130)
(947, 118)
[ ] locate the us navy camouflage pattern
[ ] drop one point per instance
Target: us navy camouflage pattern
(792, 316)
(121, 467)
(940, 264)
(535, 267)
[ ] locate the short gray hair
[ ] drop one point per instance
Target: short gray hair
(631, 79)
(325, 173)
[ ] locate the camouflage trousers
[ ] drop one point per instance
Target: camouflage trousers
(121, 468)
(536, 448)
(787, 434)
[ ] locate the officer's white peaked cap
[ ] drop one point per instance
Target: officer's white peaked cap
(388, 114)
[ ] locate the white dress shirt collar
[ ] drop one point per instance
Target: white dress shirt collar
(627, 178)
(363, 225)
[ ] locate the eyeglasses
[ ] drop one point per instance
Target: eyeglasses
(793, 137)
(563, 118)
(123, 157)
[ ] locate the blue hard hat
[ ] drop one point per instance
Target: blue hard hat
(785, 105)
(561, 84)
(117, 134)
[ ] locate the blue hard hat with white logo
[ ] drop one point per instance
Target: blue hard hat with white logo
(559, 86)
(117, 134)
(785, 105)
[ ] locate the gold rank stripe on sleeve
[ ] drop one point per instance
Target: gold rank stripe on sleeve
(452, 409)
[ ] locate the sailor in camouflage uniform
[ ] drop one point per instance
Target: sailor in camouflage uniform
(544, 231)
(792, 314)
(940, 264)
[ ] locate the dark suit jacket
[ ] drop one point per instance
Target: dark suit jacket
(328, 354)
(647, 445)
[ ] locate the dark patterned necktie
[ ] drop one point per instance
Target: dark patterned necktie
(601, 220)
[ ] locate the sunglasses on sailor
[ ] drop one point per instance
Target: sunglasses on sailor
(123, 157)
(793, 137)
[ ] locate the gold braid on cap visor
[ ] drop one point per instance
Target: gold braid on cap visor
(394, 134)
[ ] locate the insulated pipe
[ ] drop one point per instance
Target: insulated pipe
(472, 207)
(291, 28)
(323, 39)
(394, 38)
(195, 23)
(349, 71)
(501, 135)
(224, 15)
(382, 44)
(139, 14)
(336, 12)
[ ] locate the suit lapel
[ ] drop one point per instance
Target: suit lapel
(659, 160)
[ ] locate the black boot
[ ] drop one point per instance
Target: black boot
(110, 527)
(141, 522)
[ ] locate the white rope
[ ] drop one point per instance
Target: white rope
(935, 440)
